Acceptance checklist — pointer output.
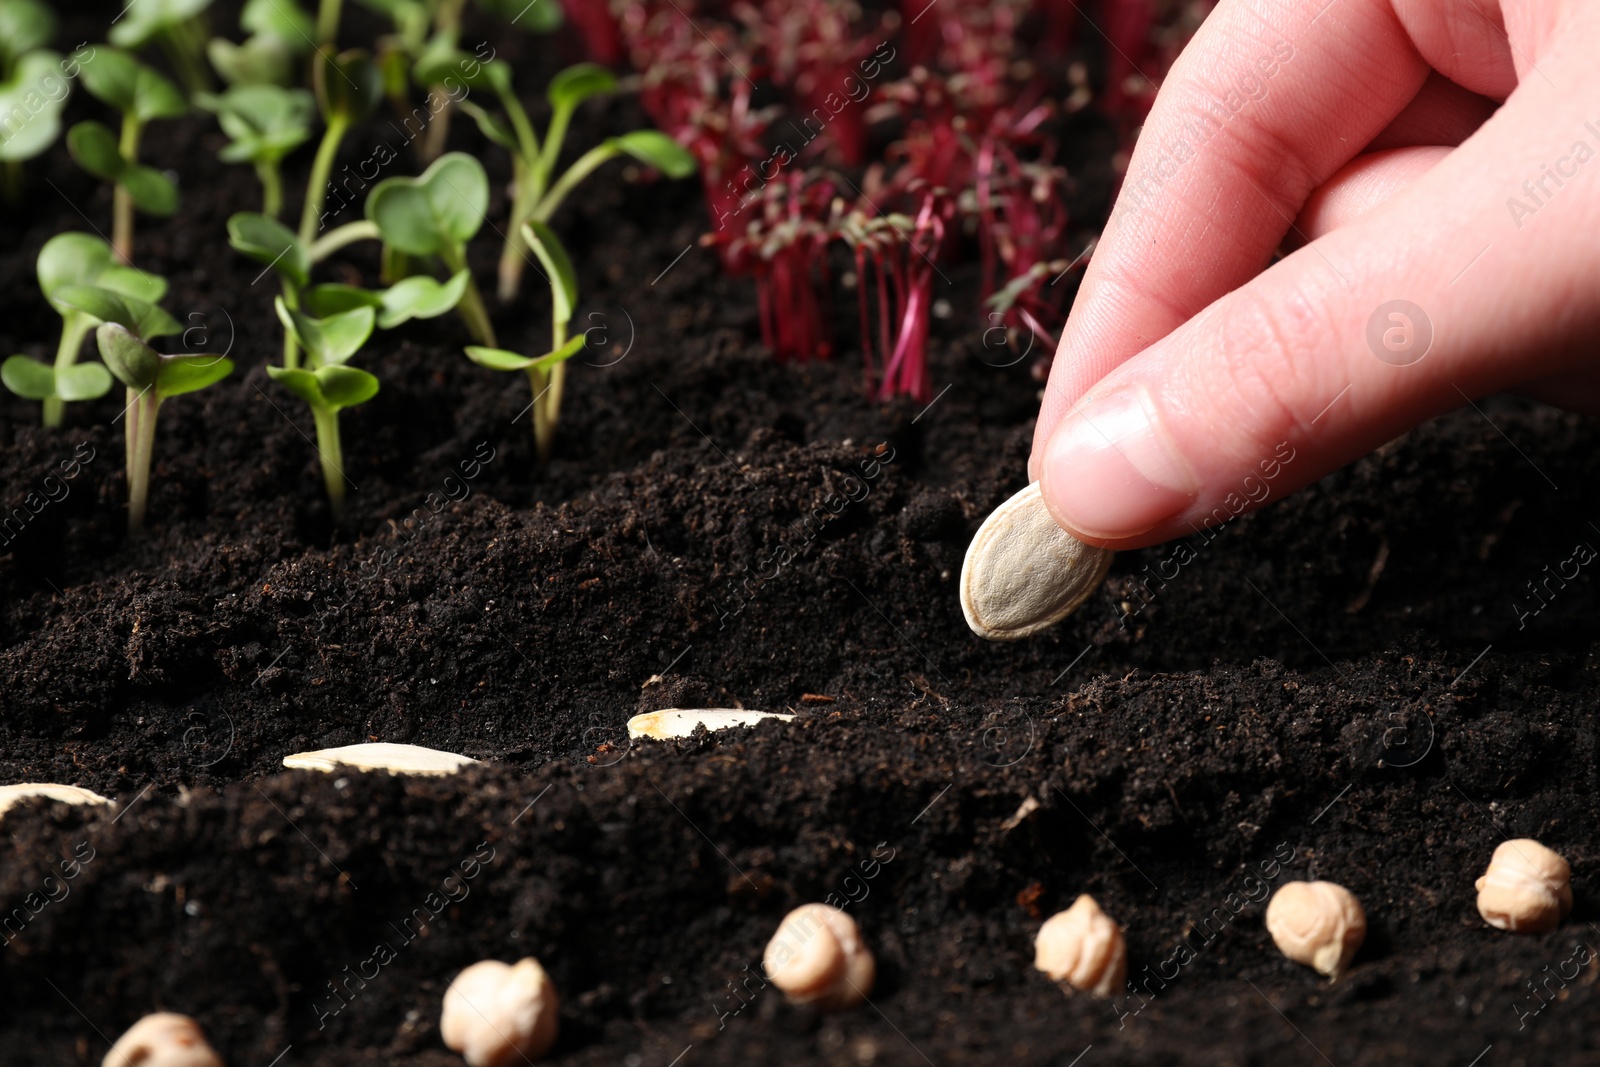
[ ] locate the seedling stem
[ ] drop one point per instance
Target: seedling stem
(321, 167)
(121, 199)
(141, 442)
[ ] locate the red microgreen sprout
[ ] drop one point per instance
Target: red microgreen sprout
(151, 378)
(68, 264)
(546, 373)
(141, 95)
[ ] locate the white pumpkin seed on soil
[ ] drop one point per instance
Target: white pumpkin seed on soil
(681, 722)
(67, 794)
(380, 756)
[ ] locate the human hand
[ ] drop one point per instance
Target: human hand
(1187, 373)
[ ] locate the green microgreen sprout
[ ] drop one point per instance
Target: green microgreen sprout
(177, 27)
(539, 191)
(435, 214)
(141, 95)
(280, 33)
(332, 323)
(34, 85)
(271, 243)
(348, 88)
(546, 373)
(151, 378)
(24, 26)
(326, 384)
(68, 265)
(266, 122)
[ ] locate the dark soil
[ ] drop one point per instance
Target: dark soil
(1338, 686)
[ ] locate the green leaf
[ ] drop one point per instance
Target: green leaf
(31, 104)
(24, 26)
(134, 363)
(493, 126)
(557, 266)
(500, 359)
(280, 18)
(154, 97)
(420, 297)
(266, 122)
(94, 146)
(143, 20)
(112, 77)
(187, 373)
(443, 208)
(266, 240)
(28, 378)
(321, 301)
(153, 192)
(349, 86)
(328, 388)
(263, 59)
(144, 319)
(330, 341)
(82, 381)
(541, 16)
(578, 83)
(656, 149)
(84, 259)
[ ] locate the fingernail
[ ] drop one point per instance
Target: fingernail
(1112, 471)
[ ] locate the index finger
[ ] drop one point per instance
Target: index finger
(1270, 99)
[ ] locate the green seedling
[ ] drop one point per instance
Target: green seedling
(348, 88)
(24, 26)
(546, 373)
(34, 85)
(326, 384)
(74, 269)
(280, 33)
(271, 243)
(435, 214)
(177, 27)
(141, 95)
(266, 123)
(151, 378)
(539, 191)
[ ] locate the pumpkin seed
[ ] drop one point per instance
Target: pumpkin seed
(680, 722)
(382, 756)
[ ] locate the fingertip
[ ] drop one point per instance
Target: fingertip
(1111, 471)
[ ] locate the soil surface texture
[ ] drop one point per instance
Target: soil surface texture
(1357, 683)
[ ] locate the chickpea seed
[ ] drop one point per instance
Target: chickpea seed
(496, 1014)
(817, 957)
(1319, 924)
(164, 1039)
(1082, 947)
(1527, 888)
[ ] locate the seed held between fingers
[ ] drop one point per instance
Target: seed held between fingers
(1319, 924)
(1082, 947)
(817, 958)
(496, 1014)
(1527, 888)
(165, 1039)
(1023, 573)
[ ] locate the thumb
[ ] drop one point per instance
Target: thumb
(1440, 295)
